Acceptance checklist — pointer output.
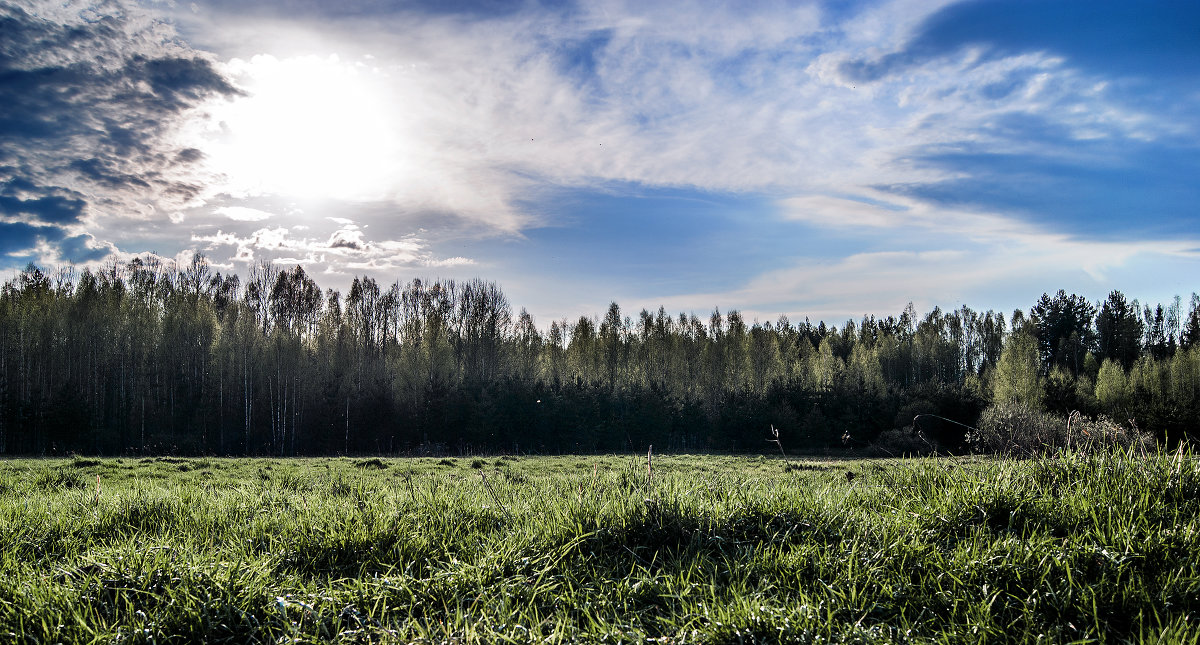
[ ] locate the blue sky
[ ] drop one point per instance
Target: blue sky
(820, 159)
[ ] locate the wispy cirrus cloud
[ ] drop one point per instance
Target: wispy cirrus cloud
(894, 116)
(1111, 38)
(410, 136)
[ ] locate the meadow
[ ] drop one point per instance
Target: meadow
(702, 549)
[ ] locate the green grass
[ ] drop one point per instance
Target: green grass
(717, 549)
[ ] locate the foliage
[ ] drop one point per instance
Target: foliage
(1118, 330)
(1112, 388)
(154, 358)
(1063, 327)
(1017, 379)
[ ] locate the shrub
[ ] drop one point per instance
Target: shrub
(901, 442)
(1088, 434)
(1013, 428)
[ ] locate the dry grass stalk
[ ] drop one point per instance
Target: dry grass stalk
(775, 433)
(649, 473)
(488, 486)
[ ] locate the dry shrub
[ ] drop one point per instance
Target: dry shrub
(901, 442)
(1017, 429)
(1091, 434)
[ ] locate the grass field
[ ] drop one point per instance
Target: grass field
(713, 549)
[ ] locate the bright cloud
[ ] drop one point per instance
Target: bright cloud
(346, 247)
(242, 213)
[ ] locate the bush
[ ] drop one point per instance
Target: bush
(1017, 428)
(901, 442)
(1089, 435)
(1012, 428)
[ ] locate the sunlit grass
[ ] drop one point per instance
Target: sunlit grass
(721, 549)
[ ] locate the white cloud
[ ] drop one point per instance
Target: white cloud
(456, 261)
(826, 211)
(346, 249)
(1001, 272)
(243, 214)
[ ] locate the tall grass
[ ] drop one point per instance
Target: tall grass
(1066, 548)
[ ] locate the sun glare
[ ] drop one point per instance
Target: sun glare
(309, 127)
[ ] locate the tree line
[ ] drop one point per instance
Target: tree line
(148, 357)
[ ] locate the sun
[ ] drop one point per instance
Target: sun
(308, 127)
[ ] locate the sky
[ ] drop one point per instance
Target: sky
(812, 159)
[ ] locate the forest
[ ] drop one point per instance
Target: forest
(149, 358)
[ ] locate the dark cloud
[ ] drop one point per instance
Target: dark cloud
(88, 101)
(189, 155)
(102, 172)
(52, 209)
(341, 240)
(178, 83)
(79, 249)
(1157, 40)
(18, 239)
